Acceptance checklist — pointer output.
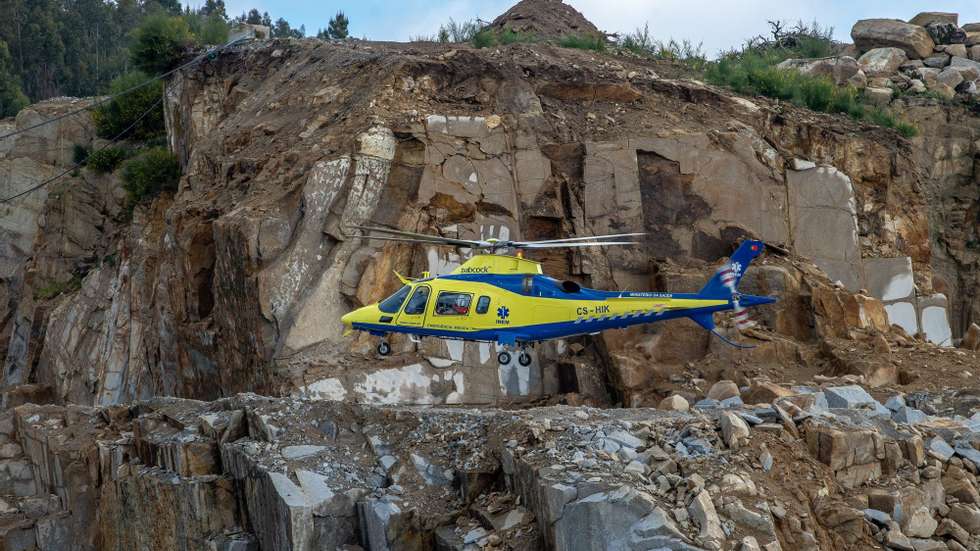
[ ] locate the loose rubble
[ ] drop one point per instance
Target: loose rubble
(930, 53)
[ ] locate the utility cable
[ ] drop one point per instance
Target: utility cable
(107, 99)
(209, 53)
(82, 163)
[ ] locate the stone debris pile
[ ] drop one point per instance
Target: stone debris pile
(814, 467)
(929, 53)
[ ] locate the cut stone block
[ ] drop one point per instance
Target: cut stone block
(934, 320)
(889, 278)
(849, 397)
(823, 220)
(903, 314)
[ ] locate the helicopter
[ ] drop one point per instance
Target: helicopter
(509, 301)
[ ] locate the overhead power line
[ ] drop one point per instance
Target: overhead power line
(107, 99)
(80, 164)
(102, 101)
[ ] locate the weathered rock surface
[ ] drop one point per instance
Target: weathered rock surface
(892, 33)
(235, 284)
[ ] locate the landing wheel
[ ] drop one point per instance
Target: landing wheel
(503, 358)
(524, 359)
(384, 348)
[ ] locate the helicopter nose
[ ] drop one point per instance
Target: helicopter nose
(347, 319)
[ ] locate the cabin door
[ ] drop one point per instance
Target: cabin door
(413, 315)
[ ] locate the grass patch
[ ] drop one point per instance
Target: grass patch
(512, 37)
(52, 289)
(753, 72)
(107, 159)
(147, 175)
(583, 42)
(459, 32)
(642, 43)
(487, 38)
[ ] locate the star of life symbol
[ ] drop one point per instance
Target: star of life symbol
(737, 269)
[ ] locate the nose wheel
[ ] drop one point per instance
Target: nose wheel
(503, 358)
(524, 358)
(384, 349)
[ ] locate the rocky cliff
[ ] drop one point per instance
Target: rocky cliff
(131, 344)
(235, 282)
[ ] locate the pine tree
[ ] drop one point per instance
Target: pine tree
(12, 99)
(253, 17)
(337, 28)
(214, 7)
(281, 29)
(159, 43)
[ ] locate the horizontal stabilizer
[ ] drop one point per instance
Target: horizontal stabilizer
(705, 320)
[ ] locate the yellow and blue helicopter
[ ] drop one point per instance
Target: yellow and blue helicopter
(509, 301)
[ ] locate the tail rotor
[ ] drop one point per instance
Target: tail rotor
(729, 278)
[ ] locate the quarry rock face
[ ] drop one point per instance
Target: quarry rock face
(133, 347)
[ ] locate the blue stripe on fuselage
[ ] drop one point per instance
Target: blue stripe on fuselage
(548, 331)
(549, 287)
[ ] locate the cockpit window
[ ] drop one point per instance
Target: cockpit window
(416, 305)
(392, 304)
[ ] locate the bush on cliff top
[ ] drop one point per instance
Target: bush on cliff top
(642, 43)
(753, 74)
(159, 42)
(116, 117)
(592, 42)
(147, 175)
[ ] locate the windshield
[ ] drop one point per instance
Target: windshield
(392, 304)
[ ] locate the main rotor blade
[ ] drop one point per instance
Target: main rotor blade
(402, 239)
(425, 237)
(575, 239)
(569, 245)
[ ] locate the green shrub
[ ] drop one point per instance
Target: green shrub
(754, 73)
(512, 37)
(107, 159)
(640, 42)
(459, 32)
(817, 93)
(583, 42)
(208, 30)
(51, 289)
(12, 98)
(153, 171)
(847, 100)
(159, 43)
(79, 153)
(112, 118)
(907, 130)
(484, 38)
(880, 117)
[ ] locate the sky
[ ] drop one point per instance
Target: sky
(717, 24)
